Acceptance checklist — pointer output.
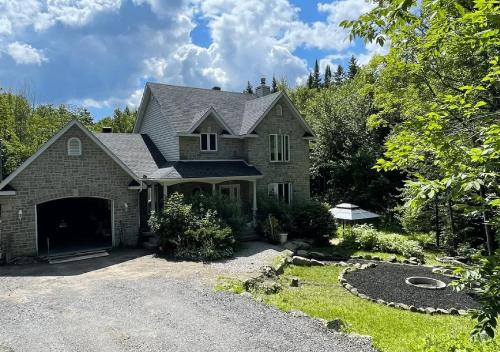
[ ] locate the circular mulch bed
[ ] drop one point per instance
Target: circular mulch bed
(387, 282)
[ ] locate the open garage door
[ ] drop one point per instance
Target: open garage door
(73, 225)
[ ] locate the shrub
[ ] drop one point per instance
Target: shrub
(192, 235)
(271, 229)
(233, 213)
(367, 238)
(460, 343)
(271, 206)
(312, 220)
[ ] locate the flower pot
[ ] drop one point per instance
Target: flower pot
(283, 238)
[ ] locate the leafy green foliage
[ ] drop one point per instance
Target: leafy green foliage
(484, 281)
(461, 343)
(120, 122)
(367, 238)
(191, 235)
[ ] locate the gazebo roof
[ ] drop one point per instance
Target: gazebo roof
(351, 212)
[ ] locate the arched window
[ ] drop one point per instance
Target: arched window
(74, 147)
(279, 110)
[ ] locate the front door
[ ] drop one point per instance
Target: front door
(230, 191)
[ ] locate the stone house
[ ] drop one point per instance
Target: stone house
(84, 190)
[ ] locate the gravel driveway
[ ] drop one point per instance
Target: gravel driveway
(130, 301)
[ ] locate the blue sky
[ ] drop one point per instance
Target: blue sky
(99, 53)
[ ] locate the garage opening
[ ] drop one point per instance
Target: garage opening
(73, 225)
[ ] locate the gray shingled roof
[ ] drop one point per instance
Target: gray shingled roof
(183, 105)
(206, 169)
(137, 151)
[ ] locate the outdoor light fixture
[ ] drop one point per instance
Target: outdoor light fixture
(20, 214)
(126, 206)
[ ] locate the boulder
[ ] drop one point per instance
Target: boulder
(300, 261)
(367, 257)
(291, 246)
(391, 304)
(301, 245)
(268, 271)
(377, 258)
(315, 262)
(303, 253)
(453, 311)
(336, 325)
(317, 255)
(268, 287)
(430, 310)
(392, 259)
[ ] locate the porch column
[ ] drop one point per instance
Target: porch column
(213, 189)
(254, 202)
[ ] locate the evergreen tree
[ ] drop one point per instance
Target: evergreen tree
(339, 76)
(310, 81)
(316, 83)
(248, 89)
(353, 68)
(327, 81)
(274, 85)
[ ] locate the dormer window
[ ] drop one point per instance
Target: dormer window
(279, 110)
(208, 142)
(74, 147)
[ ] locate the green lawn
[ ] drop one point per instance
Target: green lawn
(393, 330)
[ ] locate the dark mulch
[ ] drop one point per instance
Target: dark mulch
(387, 282)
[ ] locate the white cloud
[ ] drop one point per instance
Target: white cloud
(25, 54)
(5, 25)
(373, 49)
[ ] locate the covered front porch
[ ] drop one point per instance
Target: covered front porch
(235, 180)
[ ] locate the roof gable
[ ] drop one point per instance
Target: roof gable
(56, 137)
(202, 116)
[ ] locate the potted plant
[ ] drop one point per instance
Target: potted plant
(273, 231)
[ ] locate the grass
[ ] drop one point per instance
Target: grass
(229, 284)
(393, 330)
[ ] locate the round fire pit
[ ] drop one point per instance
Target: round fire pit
(425, 282)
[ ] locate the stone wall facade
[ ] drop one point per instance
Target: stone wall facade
(55, 175)
(295, 171)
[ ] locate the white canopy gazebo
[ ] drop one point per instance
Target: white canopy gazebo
(351, 212)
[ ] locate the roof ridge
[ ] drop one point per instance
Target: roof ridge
(206, 89)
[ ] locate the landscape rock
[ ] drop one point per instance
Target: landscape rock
(269, 287)
(315, 262)
(317, 255)
(391, 304)
(298, 314)
(268, 271)
(356, 257)
(367, 257)
(430, 310)
(291, 246)
(301, 261)
(413, 309)
(441, 311)
(294, 282)
(453, 311)
(392, 259)
(302, 253)
(246, 294)
(301, 245)
(342, 264)
(336, 325)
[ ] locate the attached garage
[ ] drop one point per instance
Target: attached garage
(74, 224)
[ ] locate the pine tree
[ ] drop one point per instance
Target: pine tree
(248, 89)
(339, 76)
(316, 76)
(310, 81)
(353, 68)
(274, 85)
(327, 81)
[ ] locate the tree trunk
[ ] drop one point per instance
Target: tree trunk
(436, 209)
(487, 228)
(450, 214)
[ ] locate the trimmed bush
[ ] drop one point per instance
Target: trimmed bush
(367, 238)
(192, 235)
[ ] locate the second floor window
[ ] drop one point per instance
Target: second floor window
(279, 147)
(208, 142)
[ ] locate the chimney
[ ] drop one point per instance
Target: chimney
(107, 130)
(216, 88)
(262, 90)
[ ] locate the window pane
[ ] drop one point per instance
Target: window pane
(204, 142)
(287, 193)
(280, 191)
(272, 147)
(213, 137)
(286, 148)
(280, 147)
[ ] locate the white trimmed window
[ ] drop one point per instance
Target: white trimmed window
(279, 147)
(208, 142)
(282, 191)
(74, 147)
(279, 110)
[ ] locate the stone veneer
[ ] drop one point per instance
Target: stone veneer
(55, 175)
(256, 151)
